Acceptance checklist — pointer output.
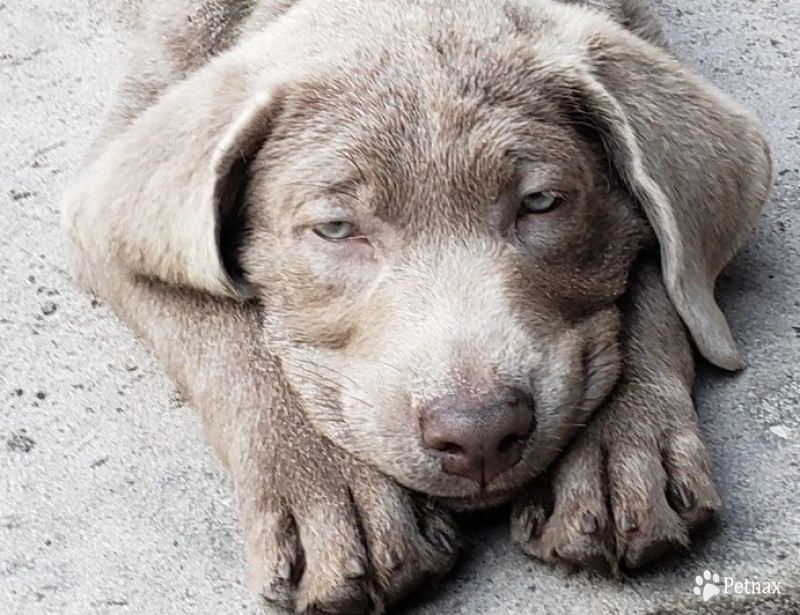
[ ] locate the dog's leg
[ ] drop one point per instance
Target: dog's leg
(638, 479)
(322, 531)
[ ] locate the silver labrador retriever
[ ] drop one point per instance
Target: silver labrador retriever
(398, 252)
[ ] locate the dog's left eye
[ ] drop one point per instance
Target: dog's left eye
(539, 203)
(336, 230)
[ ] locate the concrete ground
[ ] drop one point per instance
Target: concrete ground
(110, 502)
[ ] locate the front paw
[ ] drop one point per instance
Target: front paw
(328, 534)
(635, 484)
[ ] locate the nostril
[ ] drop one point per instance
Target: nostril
(507, 443)
(451, 448)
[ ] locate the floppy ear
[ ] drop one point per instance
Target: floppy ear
(164, 198)
(696, 162)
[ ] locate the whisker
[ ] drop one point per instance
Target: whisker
(324, 381)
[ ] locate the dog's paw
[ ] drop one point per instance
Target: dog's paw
(350, 541)
(635, 484)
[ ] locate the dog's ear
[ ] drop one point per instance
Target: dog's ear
(164, 199)
(696, 162)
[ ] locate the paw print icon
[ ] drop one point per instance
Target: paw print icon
(707, 586)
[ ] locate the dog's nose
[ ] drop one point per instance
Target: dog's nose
(478, 441)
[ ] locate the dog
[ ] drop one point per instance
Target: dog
(411, 257)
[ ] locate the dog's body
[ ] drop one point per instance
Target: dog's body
(396, 253)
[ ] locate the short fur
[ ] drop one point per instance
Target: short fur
(242, 125)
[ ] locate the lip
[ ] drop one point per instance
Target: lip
(480, 501)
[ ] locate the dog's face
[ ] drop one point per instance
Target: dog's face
(437, 225)
(439, 273)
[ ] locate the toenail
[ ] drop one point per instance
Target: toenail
(441, 540)
(628, 522)
(284, 571)
(588, 523)
(686, 497)
(354, 568)
(527, 523)
(392, 560)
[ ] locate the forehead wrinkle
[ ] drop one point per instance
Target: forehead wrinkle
(443, 176)
(420, 155)
(434, 140)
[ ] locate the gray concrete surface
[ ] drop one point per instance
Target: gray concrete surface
(110, 502)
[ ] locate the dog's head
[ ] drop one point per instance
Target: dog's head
(438, 217)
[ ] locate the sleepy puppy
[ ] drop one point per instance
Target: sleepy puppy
(398, 253)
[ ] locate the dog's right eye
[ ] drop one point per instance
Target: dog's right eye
(336, 230)
(539, 203)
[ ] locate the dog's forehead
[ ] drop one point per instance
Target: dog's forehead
(442, 129)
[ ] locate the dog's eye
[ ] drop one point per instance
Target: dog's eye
(539, 203)
(336, 230)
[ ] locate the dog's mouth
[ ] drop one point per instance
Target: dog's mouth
(475, 496)
(479, 501)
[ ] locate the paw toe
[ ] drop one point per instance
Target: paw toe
(646, 526)
(691, 493)
(565, 520)
(274, 556)
(410, 541)
(349, 597)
